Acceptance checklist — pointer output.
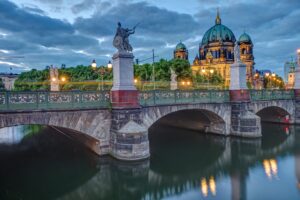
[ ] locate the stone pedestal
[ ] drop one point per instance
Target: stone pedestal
(123, 94)
(129, 138)
(243, 122)
(238, 83)
(173, 83)
(54, 79)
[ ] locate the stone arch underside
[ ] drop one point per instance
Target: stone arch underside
(91, 128)
(213, 118)
(276, 111)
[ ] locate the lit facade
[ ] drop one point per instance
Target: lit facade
(216, 52)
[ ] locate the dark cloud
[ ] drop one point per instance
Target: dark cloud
(153, 20)
(43, 40)
(84, 5)
(50, 1)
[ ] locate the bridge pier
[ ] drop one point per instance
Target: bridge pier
(243, 122)
(129, 138)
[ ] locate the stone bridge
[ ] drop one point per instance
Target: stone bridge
(90, 118)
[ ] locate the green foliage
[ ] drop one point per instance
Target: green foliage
(1, 85)
(32, 80)
(273, 82)
(182, 68)
(162, 70)
(77, 78)
(214, 79)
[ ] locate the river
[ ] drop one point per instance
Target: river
(39, 163)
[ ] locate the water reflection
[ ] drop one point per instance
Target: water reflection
(183, 165)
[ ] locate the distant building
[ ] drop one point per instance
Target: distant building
(216, 52)
(291, 80)
(289, 67)
(8, 80)
(181, 52)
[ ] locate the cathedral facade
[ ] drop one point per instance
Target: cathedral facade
(216, 52)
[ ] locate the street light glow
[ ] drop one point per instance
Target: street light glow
(273, 75)
(94, 64)
(63, 79)
(267, 74)
(53, 79)
(211, 71)
(109, 65)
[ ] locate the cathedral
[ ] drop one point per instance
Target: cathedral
(216, 52)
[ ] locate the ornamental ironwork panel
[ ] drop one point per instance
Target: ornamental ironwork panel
(264, 95)
(13, 101)
(162, 97)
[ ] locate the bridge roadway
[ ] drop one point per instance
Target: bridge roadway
(123, 133)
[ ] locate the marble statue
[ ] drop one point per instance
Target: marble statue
(173, 76)
(237, 58)
(121, 40)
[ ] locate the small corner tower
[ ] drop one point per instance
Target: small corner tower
(181, 52)
(246, 49)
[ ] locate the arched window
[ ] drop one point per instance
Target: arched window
(244, 51)
(226, 37)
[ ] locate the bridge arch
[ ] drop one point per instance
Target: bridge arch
(278, 111)
(90, 127)
(214, 118)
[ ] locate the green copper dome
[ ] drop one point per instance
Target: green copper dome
(180, 46)
(218, 33)
(245, 38)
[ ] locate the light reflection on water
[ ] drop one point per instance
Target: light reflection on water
(38, 163)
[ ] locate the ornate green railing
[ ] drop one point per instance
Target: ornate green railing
(22, 101)
(150, 98)
(14, 101)
(264, 95)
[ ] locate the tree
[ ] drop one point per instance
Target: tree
(182, 68)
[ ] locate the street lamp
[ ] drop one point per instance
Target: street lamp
(94, 64)
(211, 72)
(101, 71)
(273, 75)
(109, 65)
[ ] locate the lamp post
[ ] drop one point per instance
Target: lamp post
(101, 71)
(211, 72)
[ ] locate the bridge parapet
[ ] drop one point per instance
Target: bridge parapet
(167, 97)
(71, 100)
(266, 95)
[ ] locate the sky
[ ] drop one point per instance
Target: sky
(40, 33)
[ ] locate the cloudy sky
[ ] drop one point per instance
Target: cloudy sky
(73, 32)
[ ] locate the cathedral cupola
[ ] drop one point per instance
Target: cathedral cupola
(181, 52)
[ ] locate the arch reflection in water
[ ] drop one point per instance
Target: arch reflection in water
(184, 165)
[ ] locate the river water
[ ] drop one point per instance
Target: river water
(38, 163)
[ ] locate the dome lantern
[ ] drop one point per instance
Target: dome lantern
(218, 18)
